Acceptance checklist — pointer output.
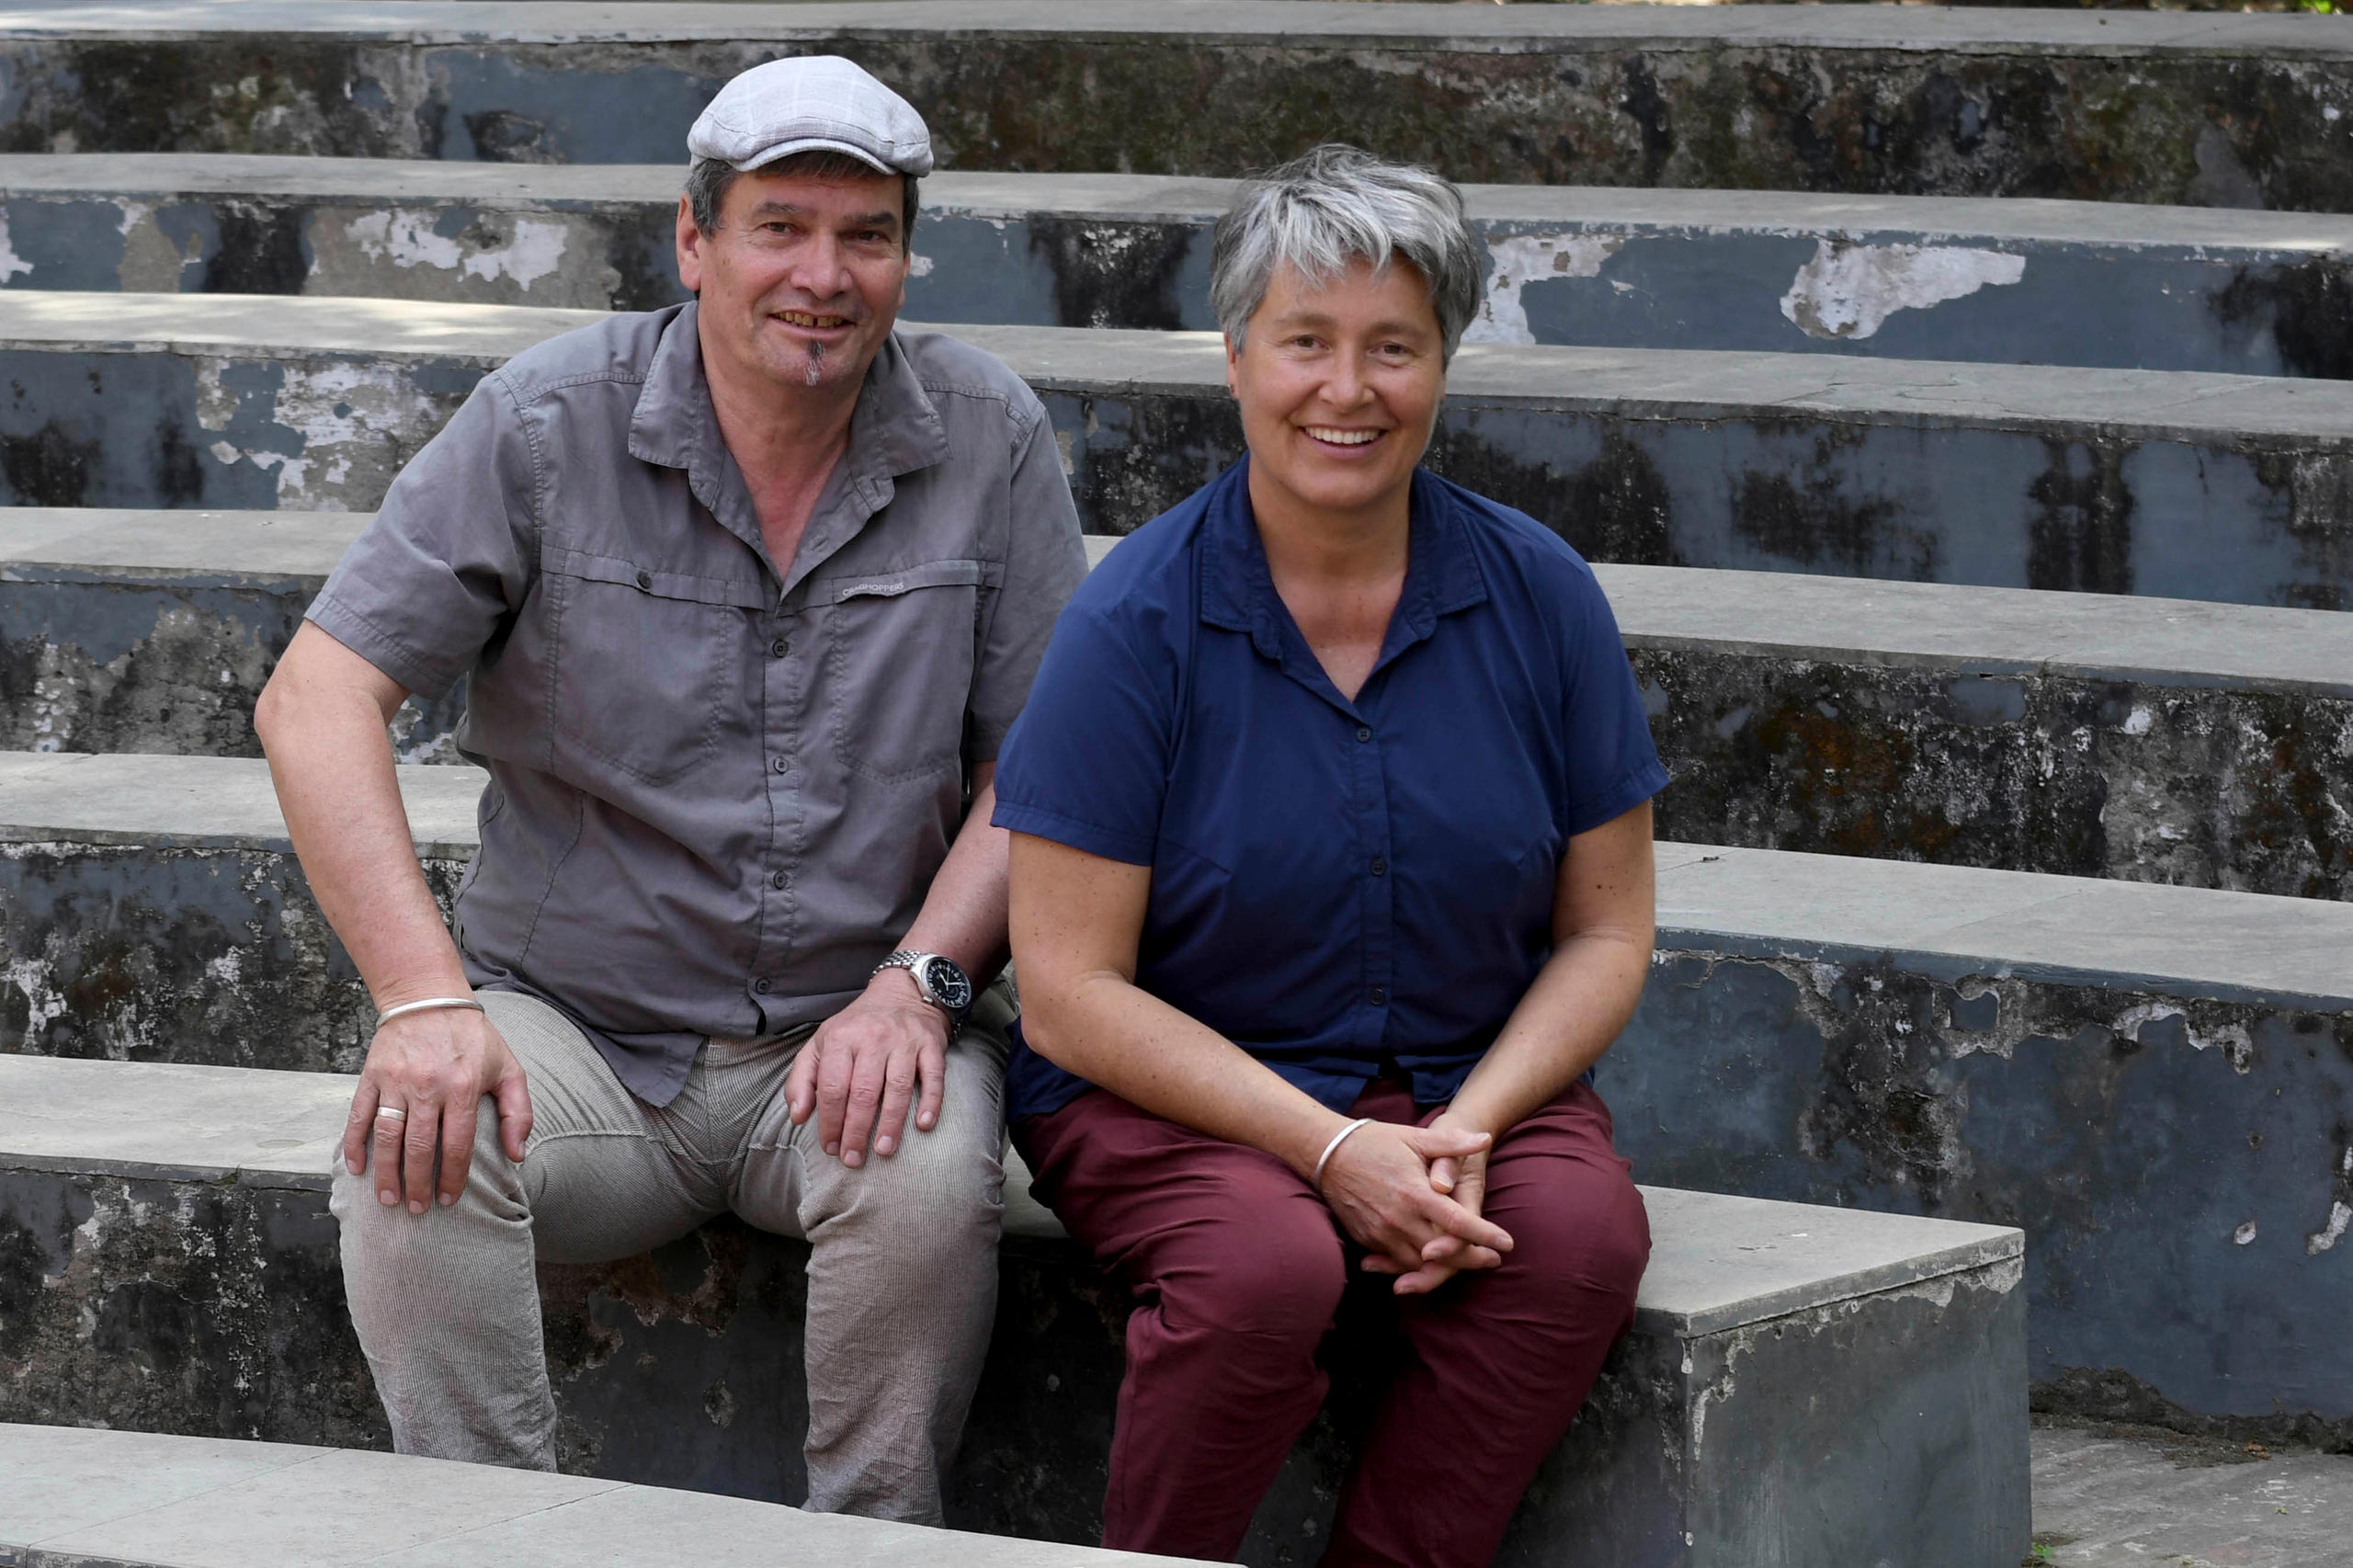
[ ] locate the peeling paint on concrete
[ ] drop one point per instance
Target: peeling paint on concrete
(2130, 1133)
(11, 263)
(331, 433)
(411, 238)
(2340, 1210)
(1516, 260)
(1849, 290)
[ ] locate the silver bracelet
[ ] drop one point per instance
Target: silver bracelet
(1337, 1138)
(389, 1014)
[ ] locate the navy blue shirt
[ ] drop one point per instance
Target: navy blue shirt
(1343, 889)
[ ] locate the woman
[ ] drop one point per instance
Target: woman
(1331, 878)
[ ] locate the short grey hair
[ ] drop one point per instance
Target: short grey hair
(1326, 208)
(709, 179)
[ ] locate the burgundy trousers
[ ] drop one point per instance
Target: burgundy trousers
(1236, 1267)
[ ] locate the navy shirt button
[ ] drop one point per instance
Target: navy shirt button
(761, 986)
(645, 579)
(781, 647)
(777, 765)
(1380, 867)
(1363, 733)
(777, 878)
(1378, 997)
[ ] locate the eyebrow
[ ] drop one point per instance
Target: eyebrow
(881, 218)
(1323, 318)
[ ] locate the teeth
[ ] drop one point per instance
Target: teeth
(802, 318)
(1343, 437)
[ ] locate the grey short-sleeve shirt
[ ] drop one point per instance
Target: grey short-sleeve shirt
(716, 799)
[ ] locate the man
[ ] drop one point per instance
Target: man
(748, 592)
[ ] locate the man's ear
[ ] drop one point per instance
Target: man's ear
(1233, 360)
(690, 247)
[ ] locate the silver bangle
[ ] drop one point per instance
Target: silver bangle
(1337, 1138)
(389, 1014)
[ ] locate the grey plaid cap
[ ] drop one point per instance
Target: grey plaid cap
(820, 101)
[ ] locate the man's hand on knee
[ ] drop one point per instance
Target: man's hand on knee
(418, 1098)
(865, 1065)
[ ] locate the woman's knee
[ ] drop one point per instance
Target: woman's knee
(1590, 1235)
(1266, 1278)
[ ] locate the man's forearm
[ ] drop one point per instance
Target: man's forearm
(333, 765)
(963, 914)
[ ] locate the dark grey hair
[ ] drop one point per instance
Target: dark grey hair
(709, 180)
(1326, 209)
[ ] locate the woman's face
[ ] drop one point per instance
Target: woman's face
(1339, 385)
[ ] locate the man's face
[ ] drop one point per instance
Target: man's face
(803, 279)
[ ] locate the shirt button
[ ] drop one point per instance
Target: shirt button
(1363, 733)
(781, 647)
(761, 986)
(777, 765)
(1377, 996)
(645, 579)
(777, 878)
(1380, 867)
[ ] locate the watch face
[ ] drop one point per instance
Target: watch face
(948, 983)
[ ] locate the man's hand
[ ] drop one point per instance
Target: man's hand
(435, 1067)
(864, 1066)
(1379, 1185)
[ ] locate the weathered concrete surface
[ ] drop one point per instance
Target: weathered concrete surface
(158, 913)
(2151, 740)
(2012, 281)
(135, 1499)
(2156, 740)
(2131, 1073)
(1801, 1385)
(2156, 1083)
(154, 631)
(2209, 110)
(2126, 1497)
(2194, 487)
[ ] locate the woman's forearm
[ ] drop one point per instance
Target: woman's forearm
(1581, 998)
(1122, 1038)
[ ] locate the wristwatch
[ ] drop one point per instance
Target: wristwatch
(943, 982)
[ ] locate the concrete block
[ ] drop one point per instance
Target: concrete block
(135, 1499)
(2009, 281)
(1802, 1385)
(2227, 488)
(160, 913)
(2217, 111)
(2206, 745)
(2153, 1082)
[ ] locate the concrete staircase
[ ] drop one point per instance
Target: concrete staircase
(2016, 281)
(1982, 542)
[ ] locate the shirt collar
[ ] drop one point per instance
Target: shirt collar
(1442, 573)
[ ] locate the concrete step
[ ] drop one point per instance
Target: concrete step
(2158, 740)
(1902, 277)
(2209, 110)
(1802, 1384)
(2170, 484)
(2153, 1082)
(82, 1497)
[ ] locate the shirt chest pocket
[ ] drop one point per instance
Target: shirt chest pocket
(645, 663)
(899, 660)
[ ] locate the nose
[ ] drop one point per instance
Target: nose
(818, 268)
(1347, 386)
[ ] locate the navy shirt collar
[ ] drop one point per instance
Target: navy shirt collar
(1442, 574)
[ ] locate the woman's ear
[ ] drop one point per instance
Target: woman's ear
(1232, 363)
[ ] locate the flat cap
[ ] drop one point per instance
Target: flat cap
(817, 102)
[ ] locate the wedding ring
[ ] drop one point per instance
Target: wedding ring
(393, 1111)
